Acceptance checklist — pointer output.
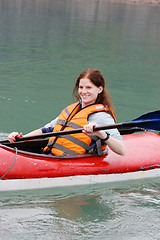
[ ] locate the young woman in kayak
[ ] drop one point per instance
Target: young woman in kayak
(93, 108)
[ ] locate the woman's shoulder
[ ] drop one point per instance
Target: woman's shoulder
(101, 118)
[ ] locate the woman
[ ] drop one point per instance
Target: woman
(93, 108)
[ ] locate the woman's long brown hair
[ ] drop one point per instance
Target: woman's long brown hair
(95, 76)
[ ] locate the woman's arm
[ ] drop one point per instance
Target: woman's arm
(114, 144)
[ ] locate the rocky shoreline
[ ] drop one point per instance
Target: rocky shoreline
(154, 2)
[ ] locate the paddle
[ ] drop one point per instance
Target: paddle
(148, 121)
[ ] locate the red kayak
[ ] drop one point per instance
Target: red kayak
(143, 154)
(22, 166)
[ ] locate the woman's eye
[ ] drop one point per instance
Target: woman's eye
(80, 87)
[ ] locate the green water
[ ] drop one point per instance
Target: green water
(115, 211)
(44, 45)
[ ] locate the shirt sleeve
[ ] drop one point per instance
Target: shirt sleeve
(103, 118)
(49, 126)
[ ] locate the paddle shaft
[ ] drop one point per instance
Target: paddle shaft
(148, 121)
(124, 125)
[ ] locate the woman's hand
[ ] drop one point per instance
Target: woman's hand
(89, 130)
(12, 136)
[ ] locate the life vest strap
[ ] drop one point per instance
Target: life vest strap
(99, 146)
(78, 142)
(65, 123)
(65, 150)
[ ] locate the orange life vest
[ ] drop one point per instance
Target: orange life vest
(73, 117)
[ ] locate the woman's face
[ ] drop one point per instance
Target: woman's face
(88, 92)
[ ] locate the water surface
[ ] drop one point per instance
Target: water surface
(44, 45)
(114, 211)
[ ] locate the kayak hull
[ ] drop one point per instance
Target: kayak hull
(80, 180)
(18, 167)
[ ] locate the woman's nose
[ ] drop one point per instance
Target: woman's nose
(84, 90)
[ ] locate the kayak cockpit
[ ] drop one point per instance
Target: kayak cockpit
(34, 146)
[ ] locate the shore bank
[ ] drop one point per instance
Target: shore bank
(154, 2)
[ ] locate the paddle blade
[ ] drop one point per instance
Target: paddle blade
(150, 115)
(150, 120)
